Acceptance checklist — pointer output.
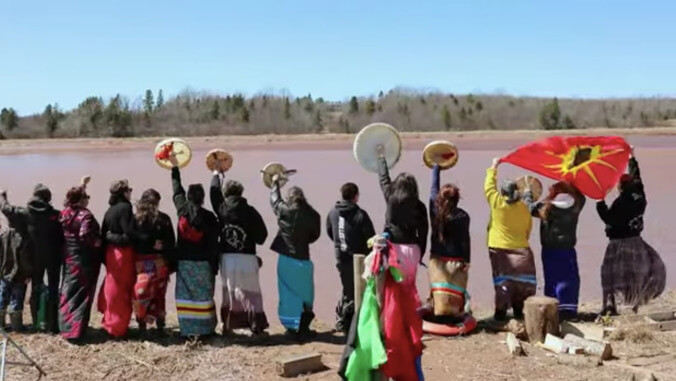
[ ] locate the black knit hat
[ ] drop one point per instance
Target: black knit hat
(42, 192)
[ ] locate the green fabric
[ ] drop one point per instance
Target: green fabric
(369, 353)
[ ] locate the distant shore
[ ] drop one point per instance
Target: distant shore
(305, 142)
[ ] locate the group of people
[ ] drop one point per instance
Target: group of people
(140, 249)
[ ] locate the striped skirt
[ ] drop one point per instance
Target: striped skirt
(513, 276)
(448, 286)
(195, 285)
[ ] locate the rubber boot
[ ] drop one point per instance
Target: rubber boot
(53, 316)
(3, 315)
(16, 321)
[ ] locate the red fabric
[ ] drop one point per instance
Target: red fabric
(115, 296)
(402, 326)
(152, 277)
(554, 158)
(188, 232)
(165, 152)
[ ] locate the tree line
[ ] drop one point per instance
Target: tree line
(199, 113)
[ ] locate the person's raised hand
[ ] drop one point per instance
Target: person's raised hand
(173, 160)
(85, 180)
(496, 162)
(380, 150)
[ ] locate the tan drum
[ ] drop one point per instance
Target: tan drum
(272, 169)
(535, 186)
(441, 152)
(217, 157)
(367, 141)
(172, 146)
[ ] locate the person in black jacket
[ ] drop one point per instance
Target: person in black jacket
(299, 226)
(449, 251)
(115, 297)
(197, 256)
(559, 213)
(405, 219)
(350, 228)
(155, 260)
(39, 223)
(241, 229)
(631, 267)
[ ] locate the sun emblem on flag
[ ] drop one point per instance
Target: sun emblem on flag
(581, 158)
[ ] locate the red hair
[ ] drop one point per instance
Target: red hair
(555, 190)
(446, 203)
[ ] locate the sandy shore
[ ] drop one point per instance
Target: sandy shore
(468, 140)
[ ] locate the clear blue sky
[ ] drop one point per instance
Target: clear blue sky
(64, 51)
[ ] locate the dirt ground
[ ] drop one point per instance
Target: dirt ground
(481, 355)
(325, 162)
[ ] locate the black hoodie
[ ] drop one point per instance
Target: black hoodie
(624, 218)
(349, 227)
(241, 227)
(39, 222)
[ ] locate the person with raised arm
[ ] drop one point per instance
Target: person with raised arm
(299, 226)
(241, 228)
(81, 263)
(631, 267)
(508, 247)
(197, 258)
(450, 250)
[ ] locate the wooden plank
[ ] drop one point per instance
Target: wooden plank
(588, 331)
(650, 360)
(555, 344)
(662, 316)
(513, 344)
(302, 364)
(597, 348)
(575, 350)
(662, 326)
(579, 361)
(359, 282)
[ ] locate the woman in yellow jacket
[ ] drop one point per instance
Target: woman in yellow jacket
(511, 258)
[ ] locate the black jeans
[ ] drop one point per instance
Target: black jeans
(345, 307)
(37, 284)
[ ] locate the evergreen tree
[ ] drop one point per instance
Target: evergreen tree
(354, 105)
(446, 116)
(160, 100)
(9, 118)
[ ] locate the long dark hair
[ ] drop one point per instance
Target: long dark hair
(445, 203)
(555, 190)
(403, 189)
(296, 196)
(147, 207)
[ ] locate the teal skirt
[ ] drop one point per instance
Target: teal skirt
(295, 282)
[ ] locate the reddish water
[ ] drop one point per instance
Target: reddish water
(322, 169)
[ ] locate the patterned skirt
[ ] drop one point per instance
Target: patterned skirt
(409, 258)
(513, 276)
(242, 298)
(150, 290)
(448, 286)
(195, 283)
(633, 269)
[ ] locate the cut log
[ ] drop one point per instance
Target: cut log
(513, 344)
(555, 344)
(303, 364)
(645, 361)
(588, 331)
(597, 348)
(541, 317)
(579, 361)
(662, 316)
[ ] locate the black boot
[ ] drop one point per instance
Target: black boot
(304, 331)
(53, 317)
(500, 315)
(517, 310)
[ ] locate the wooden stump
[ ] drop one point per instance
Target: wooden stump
(541, 317)
(359, 282)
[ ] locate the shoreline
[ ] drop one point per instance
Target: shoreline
(310, 142)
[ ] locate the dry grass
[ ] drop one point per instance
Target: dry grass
(481, 355)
